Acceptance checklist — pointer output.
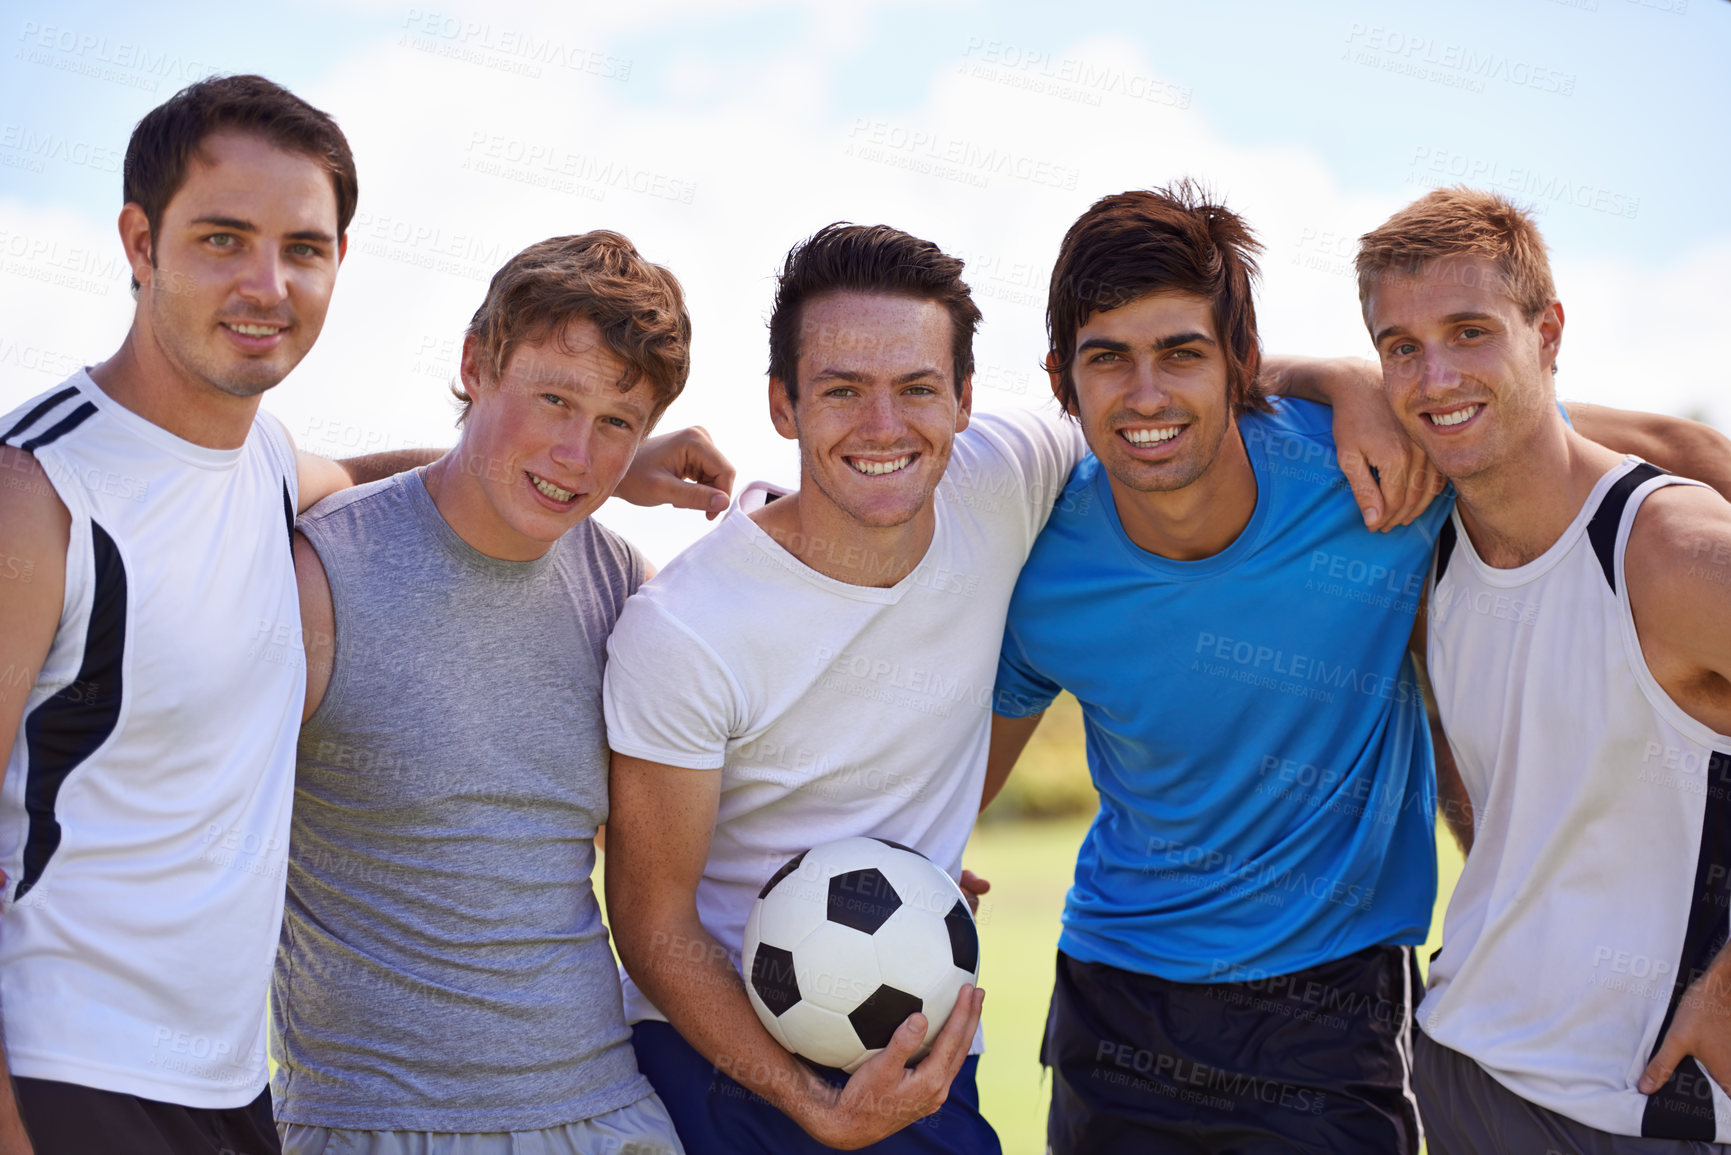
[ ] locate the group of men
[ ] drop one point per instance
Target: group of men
(414, 707)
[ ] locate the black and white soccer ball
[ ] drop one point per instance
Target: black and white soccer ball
(847, 940)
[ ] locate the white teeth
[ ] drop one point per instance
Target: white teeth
(1455, 418)
(551, 490)
(1151, 436)
(879, 468)
(254, 330)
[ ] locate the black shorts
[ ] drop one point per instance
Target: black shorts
(67, 1119)
(1316, 1061)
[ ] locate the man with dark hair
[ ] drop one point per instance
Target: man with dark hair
(821, 666)
(1579, 640)
(152, 645)
(1236, 969)
(444, 983)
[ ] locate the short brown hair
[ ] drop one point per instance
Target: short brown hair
(1460, 221)
(843, 257)
(638, 306)
(167, 140)
(1166, 240)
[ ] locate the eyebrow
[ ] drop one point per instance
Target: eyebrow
(1160, 346)
(853, 377)
(1451, 319)
(235, 224)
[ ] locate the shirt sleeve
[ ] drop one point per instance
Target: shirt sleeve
(1022, 691)
(1023, 455)
(667, 695)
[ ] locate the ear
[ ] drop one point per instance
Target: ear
(135, 240)
(781, 413)
(342, 248)
(1056, 380)
(965, 408)
(1550, 323)
(470, 368)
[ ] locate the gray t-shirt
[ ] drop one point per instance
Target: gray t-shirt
(443, 964)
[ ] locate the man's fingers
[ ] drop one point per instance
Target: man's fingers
(973, 882)
(1658, 1072)
(1363, 485)
(905, 1041)
(950, 1048)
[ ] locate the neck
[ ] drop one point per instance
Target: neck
(142, 378)
(458, 496)
(1516, 510)
(1199, 520)
(838, 547)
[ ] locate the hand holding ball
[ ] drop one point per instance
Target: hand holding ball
(847, 940)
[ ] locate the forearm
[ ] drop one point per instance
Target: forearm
(378, 466)
(1686, 448)
(1318, 379)
(690, 978)
(13, 1138)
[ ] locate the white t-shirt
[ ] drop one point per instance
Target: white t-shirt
(144, 816)
(834, 710)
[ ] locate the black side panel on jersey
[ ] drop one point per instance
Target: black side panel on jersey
(288, 511)
(1683, 1107)
(70, 726)
(1602, 530)
(35, 414)
(1445, 546)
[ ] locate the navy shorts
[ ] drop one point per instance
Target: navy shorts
(1316, 1061)
(69, 1119)
(716, 1116)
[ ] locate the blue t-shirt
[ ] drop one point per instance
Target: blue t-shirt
(1267, 790)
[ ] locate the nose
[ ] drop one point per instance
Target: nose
(1148, 392)
(573, 449)
(264, 278)
(882, 419)
(1438, 371)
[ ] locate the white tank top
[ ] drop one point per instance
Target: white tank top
(144, 813)
(1596, 888)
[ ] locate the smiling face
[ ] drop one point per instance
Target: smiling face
(1468, 375)
(1151, 390)
(877, 409)
(543, 446)
(245, 259)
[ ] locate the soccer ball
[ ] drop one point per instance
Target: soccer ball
(847, 940)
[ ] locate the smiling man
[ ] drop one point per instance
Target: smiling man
(818, 667)
(444, 983)
(1580, 646)
(1236, 960)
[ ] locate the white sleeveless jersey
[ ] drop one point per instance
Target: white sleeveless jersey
(145, 808)
(1596, 888)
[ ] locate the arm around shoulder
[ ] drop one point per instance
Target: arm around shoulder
(1686, 448)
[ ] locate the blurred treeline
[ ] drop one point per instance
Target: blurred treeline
(1051, 780)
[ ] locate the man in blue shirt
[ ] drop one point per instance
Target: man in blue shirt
(1236, 966)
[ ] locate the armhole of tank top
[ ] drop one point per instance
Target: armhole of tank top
(1654, 693)
(337, 684)
(282, 451)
